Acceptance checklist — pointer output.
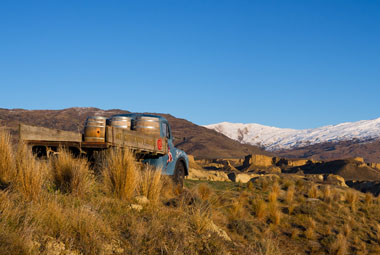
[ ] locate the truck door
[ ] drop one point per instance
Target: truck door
(166, 162)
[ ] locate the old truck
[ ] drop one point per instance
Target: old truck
(148, 136)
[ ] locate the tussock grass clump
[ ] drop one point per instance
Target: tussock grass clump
(79, 226)
(274, 213)
(71, 175)
(313, 191)
(259, 208)
(368, 199)
(326, 194)
(30, 174)
(7, 163)
(310, 228)
(16, 228)
(204, 191)
(339, 246)
(120, 174)
(290, 194)
(352, 199)
(150, 183)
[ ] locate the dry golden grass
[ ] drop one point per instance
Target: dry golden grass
(352, 199)
(294, 234)
(30, 174)
(150, 184)
(184, 222)
(7, 163)
(326, 194)
(378, 233)
(339, 246)
(71, 175)
(313, 191)
(347, 230)
(274, 213)
(204, 191)
(259, 208)
(273, 195)
(368, 199)
(74, 225)
(120, 174)
(250, 186)
(290, 194)
(310, 228)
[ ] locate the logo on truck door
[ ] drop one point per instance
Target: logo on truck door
(170, 156)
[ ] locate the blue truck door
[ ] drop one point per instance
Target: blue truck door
(166, 162)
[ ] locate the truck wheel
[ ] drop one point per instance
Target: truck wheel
(179, 174)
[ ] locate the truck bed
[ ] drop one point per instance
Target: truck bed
(115, 137)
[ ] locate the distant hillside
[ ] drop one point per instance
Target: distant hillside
(370, 151)
(196, 140)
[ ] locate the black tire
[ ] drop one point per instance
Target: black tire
(179, 174)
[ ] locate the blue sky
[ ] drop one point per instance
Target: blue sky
(296, 64)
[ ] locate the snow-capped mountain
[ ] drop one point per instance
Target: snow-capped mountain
(272, 138)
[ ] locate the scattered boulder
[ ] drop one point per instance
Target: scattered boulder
(267, 177)
(136, 207)
(295, 163)
(241, 177)
(141, 200)
(359, 159)
(336, 180)
(196, 174)
(315, 177)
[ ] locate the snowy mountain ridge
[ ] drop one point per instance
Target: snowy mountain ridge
(273, 138)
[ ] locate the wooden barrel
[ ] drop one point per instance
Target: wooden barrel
(121, 122)
(95, 129)
(147, 125)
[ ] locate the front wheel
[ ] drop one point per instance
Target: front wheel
(179, 174)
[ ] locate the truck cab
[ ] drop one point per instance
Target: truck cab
(175, 163)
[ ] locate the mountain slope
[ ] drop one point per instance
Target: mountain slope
(274, 139)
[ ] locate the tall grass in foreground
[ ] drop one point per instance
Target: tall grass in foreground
(120, 174)
(30, 174)
(71, 175)
(150, 183)
(6, 158)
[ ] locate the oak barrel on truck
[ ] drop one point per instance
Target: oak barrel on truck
(147, 125)
(95, 129)
(121, 122)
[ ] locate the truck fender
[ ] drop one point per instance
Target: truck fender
(183, 161)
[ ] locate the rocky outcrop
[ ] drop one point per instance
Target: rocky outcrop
(374, 165)
(256, 160)
(366, 186)
(336, 180)
(204, 175)
(192, 163)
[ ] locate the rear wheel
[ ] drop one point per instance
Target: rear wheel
(179, 174)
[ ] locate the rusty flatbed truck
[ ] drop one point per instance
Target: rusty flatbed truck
(148, 136)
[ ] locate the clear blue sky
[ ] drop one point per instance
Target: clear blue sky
(297, 64)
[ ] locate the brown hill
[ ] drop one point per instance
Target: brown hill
(370, 151)
(349, 169)
(196, 140)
